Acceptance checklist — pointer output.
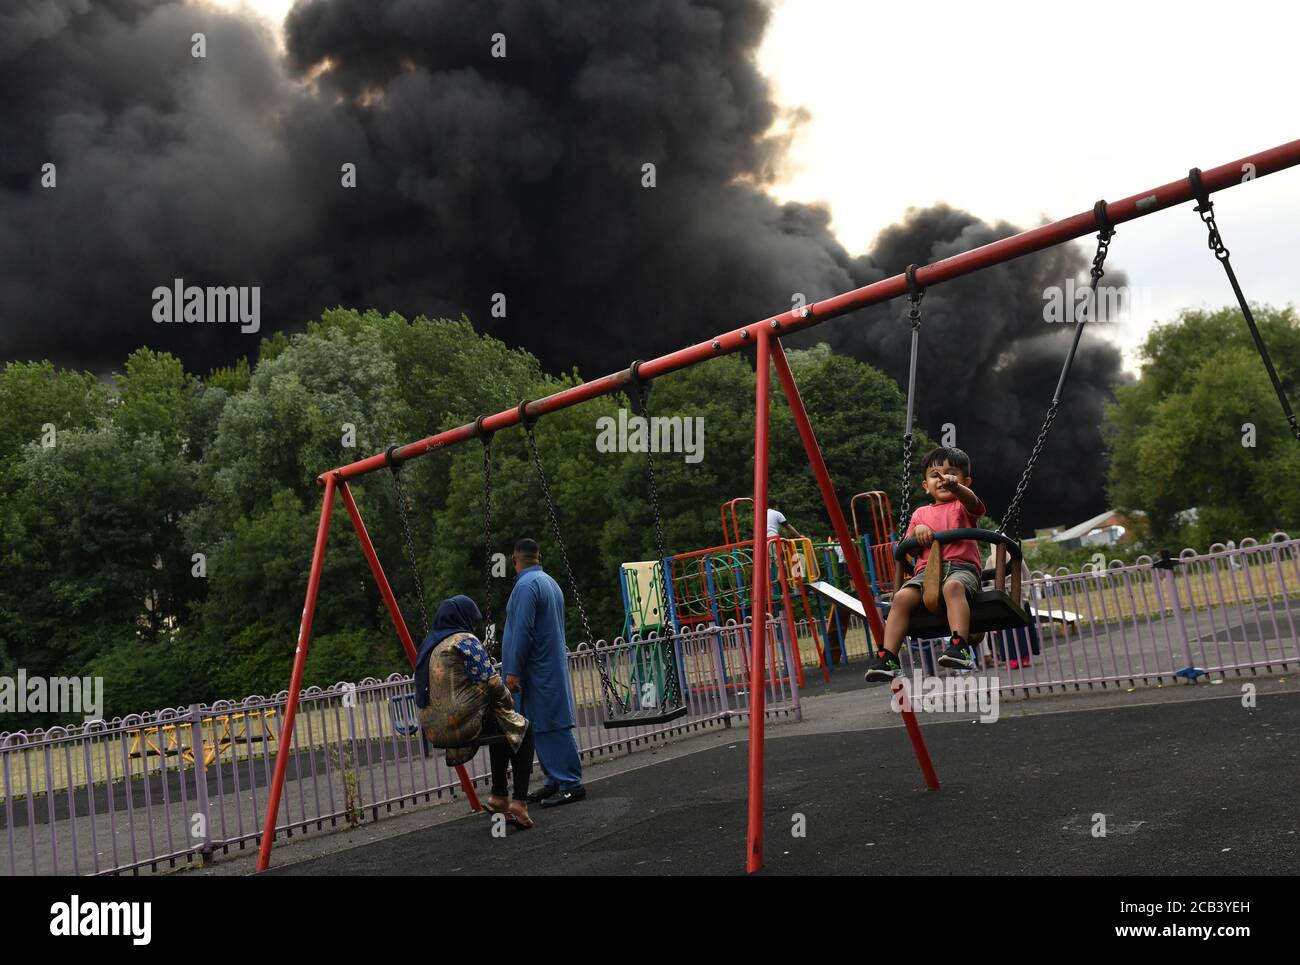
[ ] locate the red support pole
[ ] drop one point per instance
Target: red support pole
(836, 513)
(295, 681)
(395, 612)
(758, 631)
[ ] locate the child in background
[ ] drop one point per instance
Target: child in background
(946, 480)
(1015, 647)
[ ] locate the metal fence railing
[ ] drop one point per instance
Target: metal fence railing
(1228, 610)
(190, 784)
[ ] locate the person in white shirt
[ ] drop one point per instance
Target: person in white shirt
(776, 519)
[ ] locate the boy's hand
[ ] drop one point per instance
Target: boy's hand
(924, 535)
(956, 486)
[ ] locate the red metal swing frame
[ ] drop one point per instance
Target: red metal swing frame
(765, 336)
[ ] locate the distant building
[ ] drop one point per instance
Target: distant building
(1104, 529)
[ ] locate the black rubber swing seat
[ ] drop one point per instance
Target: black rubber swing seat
(990, 610)
(646, 717)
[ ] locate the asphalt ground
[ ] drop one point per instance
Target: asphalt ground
(1194, 786)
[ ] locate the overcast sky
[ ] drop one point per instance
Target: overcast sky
(1032, 111)
(1025, 111)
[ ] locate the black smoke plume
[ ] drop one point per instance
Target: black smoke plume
(479, 175)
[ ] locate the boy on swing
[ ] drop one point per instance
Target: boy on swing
(946, 480)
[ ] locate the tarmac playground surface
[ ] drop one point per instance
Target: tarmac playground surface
(1188, 779)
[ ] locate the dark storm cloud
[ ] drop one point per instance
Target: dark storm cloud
(168, 166)
(476, 175)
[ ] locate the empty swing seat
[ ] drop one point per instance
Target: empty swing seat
(646, 716)
(990, 610)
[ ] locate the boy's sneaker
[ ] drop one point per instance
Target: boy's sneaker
(883, 666)
(960, 655)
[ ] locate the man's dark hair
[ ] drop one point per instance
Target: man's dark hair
(774, 503)
(957, 458)
(527, 547)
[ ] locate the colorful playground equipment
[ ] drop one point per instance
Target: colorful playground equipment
(809, 581)
(221, 733)
(878, 545)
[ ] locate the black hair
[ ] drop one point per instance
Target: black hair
(527, 547)
(957, 458)
(774, 502)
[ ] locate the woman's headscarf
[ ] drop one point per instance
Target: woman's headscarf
(459, 614)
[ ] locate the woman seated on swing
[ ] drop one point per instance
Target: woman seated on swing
(461, 701)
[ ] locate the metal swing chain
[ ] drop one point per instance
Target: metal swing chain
(400, 492)
(1011, 518)
(905, 504)
(606, 684)
(914, 296)
(636, 397)
(1205, 208)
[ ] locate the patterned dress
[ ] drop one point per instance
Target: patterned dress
(462, 689)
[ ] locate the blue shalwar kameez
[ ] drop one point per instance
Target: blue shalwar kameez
(533, 649)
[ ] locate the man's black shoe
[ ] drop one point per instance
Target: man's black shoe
(543, 792)
(572, 796)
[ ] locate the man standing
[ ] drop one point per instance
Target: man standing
(776, 520)
(535, 661)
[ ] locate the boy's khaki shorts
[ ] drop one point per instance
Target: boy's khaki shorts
(963, 573)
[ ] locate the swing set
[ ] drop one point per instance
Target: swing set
(764, 338)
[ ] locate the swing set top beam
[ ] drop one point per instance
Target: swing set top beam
(1036, 239)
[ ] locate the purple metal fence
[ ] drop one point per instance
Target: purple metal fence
(1227, 611)
(148, 791)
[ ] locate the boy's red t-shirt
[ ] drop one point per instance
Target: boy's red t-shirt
(949, 515)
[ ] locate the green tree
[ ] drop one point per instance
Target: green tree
(91, 551)
(154, 397)
(1200, 430)
(231, 379)
(372, 380)
(33, 394)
